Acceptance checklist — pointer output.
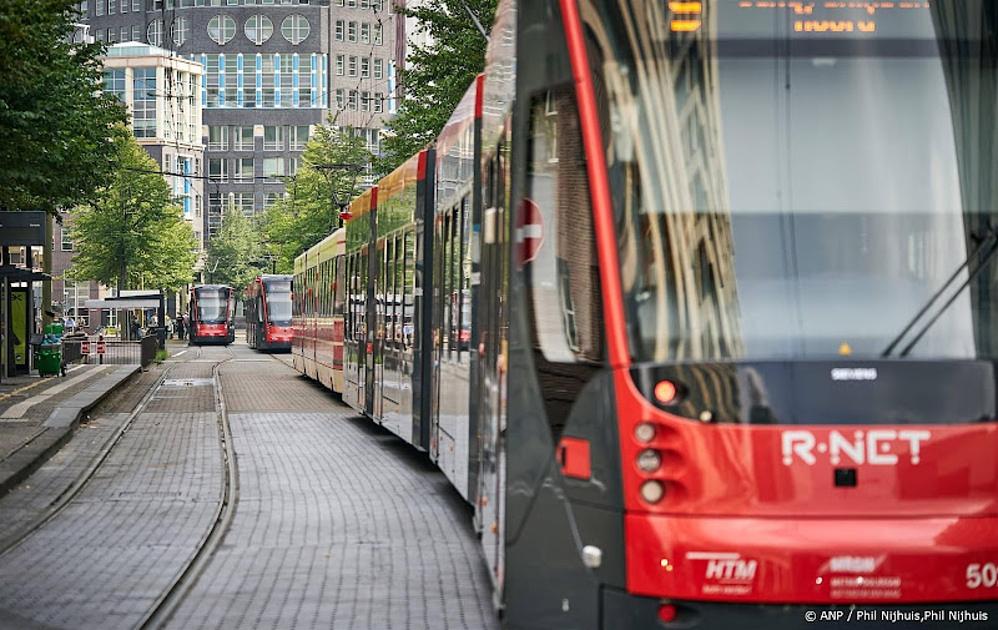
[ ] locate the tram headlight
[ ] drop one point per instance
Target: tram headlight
(652, 491)
(644, 432)
(649, 460)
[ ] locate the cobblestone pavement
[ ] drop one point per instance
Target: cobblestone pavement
(31, 500)
(336, 524)
(103, 560)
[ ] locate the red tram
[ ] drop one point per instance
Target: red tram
(701, 348)
(268, 313)
(210, 315)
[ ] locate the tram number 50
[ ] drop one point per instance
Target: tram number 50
(979, 575)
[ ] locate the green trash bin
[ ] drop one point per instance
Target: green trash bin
(48, 359)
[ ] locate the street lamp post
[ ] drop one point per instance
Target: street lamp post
(337, 198)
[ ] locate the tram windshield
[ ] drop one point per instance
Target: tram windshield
(279, 302)
(804, 179)
(212, 306)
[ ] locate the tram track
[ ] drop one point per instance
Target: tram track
(172, 596)
(171, 599)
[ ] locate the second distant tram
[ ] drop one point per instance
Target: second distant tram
(268, 313)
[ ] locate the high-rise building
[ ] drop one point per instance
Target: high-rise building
(265, 83)
(162, 92)
(362, 67)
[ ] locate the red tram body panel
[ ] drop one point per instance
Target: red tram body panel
(700, 349)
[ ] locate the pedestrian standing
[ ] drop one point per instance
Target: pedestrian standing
(180, 327)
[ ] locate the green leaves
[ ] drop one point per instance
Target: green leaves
(234, 254)
(55, 123)
(438, 75)
(133, 224)
(334, 161)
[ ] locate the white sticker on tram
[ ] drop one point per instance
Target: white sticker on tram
(876, 448)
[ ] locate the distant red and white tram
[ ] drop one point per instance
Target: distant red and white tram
(268, 313)
(702, 349)
(210, 315)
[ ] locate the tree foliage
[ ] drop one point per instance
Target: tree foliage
(332, 165)
(437, 75)
(234, 253)
(55, 122)
(133, 223)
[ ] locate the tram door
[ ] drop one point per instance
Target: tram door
(364, 294)
(493, 319)
(371, 332)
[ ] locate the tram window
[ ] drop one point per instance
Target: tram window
(445, 284)
(564, 276)
(408, 288)
(463, 334)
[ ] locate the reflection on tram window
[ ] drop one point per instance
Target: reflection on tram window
(783, 188)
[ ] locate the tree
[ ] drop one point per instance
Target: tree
(133, 234)
(56, 125)
(333, 160)
(436, 76)
(234, 254)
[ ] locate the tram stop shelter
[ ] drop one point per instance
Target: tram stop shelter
(135, 299)
(17, 309)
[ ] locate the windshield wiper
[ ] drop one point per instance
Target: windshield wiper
(991, 240)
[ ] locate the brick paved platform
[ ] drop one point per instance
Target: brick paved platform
(338, 524)
(37, 419)
(110, 554)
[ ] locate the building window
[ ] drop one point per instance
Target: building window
(352, 105)
(340, 99)
(273, 168)
(339, 30)
(136, 33)
(377, 34)
(144, 102)
(258, 29)
(379, 68)
(295, 28)
(154, 33)
(298, 137)
(365, 33)
(352, 66)
(243, 202)
(365, 101)
(218, 170)
(365, 67)
(244, 171)
(114, 83)
(221, 29)
(352, 32)
(123, 34)
(273, 138)
(110, 35)
(67, 242)
(180, 31)
(218, 138)
(136, 6)
(339, 65)
(124, 6)
(379, 102)
(243, 139)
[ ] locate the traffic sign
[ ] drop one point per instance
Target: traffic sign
(529, 231)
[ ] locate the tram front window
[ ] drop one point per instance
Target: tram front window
(212, 308)
(279, 303)
(799, 181)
